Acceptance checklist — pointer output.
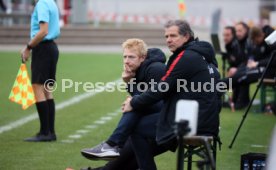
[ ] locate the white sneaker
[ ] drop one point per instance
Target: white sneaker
(103, 150)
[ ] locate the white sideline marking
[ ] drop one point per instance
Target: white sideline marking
(91, 126)
(59, 106)
(106, 118)
(81, 132)
(258, 146)
(67, 141)
(101, 122)
(75, 136)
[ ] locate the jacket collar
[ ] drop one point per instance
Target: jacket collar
(184, 46)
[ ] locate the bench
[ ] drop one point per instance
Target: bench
(203, 146)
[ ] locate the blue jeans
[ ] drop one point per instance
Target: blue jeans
(125, 127)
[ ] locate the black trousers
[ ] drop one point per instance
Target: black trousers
(245, 76)
(141, 147)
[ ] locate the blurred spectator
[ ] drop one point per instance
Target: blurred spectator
(242, 34)
(3, 6)
(239, 49)
(255, 67)
(263, 51)
(246, 47)
(233, 50)
(233, 57)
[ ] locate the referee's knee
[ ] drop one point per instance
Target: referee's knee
(39, 92)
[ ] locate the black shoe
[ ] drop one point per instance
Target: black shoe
(40, 138)
(53, 136)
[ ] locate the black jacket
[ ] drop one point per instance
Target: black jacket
(153, 68)
(247, 49)
(192, 62)
(263, 52)
(234, 54)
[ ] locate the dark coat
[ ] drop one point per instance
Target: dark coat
(263, 53)
(152, 69)
(193, 62)
(234, 54)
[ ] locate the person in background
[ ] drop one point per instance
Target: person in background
(263, 51)
(246, 46)
(255, 67)
(44, 30)
(3, 6)
(233, 51)
(234, 58)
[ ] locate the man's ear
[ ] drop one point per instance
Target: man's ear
(143, 57)
(187, 37)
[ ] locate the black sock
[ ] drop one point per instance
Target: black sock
(43, 113)
(111, 143)
(52, 112)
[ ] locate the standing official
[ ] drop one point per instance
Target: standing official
(44, 30)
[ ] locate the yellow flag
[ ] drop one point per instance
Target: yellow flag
(182, 8)
(22, 91)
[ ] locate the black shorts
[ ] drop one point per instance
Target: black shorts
(44, 62)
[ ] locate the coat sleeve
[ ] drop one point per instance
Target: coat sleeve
(155, 72)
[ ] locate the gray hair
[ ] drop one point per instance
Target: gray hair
(183, 27)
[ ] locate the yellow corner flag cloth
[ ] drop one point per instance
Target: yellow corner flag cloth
(22, 91)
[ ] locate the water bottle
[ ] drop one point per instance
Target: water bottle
(254, 165)
(259, 165)
(245, 165)
(263, 165)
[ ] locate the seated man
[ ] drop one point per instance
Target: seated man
(241, 91)
(235, 59)
(233, 50)
(141, 66)
(263, 50)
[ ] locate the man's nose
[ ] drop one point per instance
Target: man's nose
(169, 40)
(126, 61)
